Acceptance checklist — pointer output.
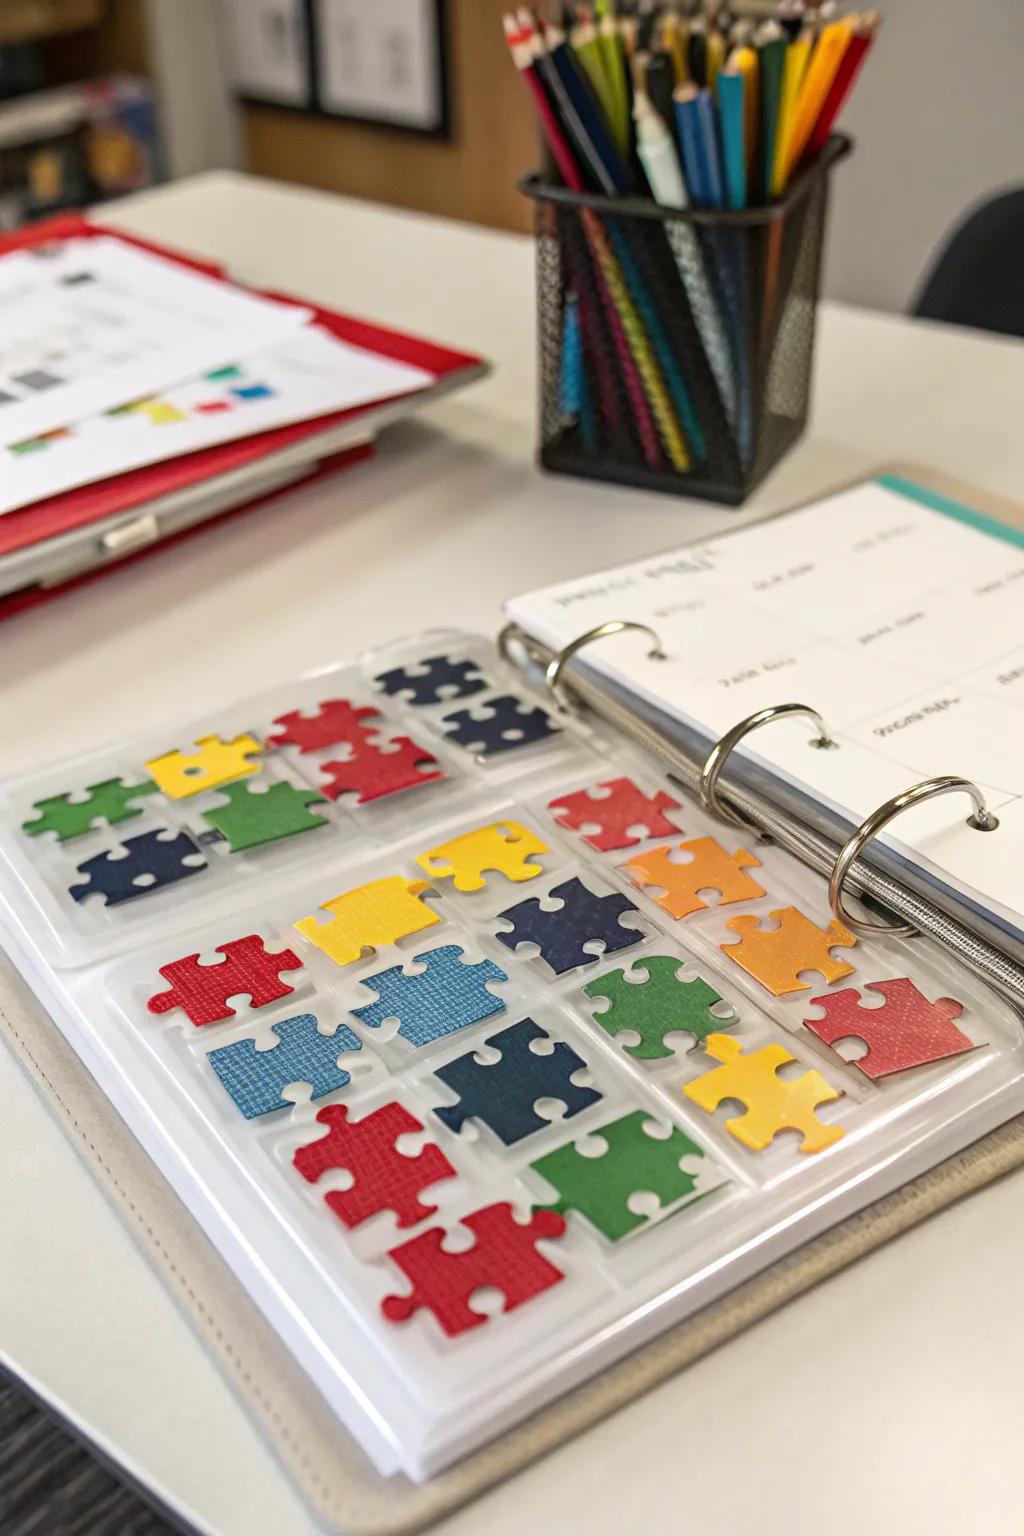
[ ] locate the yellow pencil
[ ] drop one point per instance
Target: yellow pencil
(745, 60)
(675, 34)
(797, 55)
(817, 82)
(715, 58)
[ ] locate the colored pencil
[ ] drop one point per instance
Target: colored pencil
(850, 65)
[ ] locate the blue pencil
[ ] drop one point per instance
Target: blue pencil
(707, 118)
(689, 130)
(731, 106)
(594, 139)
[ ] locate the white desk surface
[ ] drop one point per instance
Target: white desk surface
(889, 1399)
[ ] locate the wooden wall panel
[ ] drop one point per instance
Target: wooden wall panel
(471, 177)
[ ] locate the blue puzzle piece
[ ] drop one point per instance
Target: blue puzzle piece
(504, 1095)
(506, 725)
(583, 918)
(440, 679)
(151, 860)
(445, 997)
(257, 1079)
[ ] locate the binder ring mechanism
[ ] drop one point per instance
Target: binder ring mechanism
(981, 819)
(716, 758)
(555, 667)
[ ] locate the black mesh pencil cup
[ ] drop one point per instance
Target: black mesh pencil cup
(675, 347)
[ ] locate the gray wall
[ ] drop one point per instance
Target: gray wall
(938, 115)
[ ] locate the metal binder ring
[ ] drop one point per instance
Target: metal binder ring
(556, 665)
(716, 758)
(981, 820)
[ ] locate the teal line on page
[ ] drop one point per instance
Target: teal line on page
(956, 509)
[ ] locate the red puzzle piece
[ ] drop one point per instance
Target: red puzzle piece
(336, 721)
(907, 1031)
(203, 990)
(375, 771)
(385, 1179)
(504, 1256)
(624, 808)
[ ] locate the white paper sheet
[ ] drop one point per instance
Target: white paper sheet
(93, 323)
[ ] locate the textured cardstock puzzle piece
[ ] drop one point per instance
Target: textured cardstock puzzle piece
(504, 1256)
(336, 721)
(109, 802)
(771, 1103)
(504, 847)
(369, 917)
(246, 969)
(632, 1162)
(372, 772)
(776, 956)
(657, 1004)
(620, 818)
(499, 725)
(907, 1031)
(256, 1079)
(148, 863)
(445, 996)
(708, 868)
(433, 680)
(215, 762)
(385, 1179)
(583, 918)
(503, 1095)
(251, 817)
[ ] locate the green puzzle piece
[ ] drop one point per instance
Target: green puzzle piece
(252, 817)
(599, 1187)
(109, 802)
(659, 1006)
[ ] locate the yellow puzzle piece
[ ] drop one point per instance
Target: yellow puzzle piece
(771, 1103)
(371, 915)
(504, 846)
(215, 762)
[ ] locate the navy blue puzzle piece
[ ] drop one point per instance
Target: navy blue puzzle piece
(257, 1079)
(446, 996)
(151, 860)
(583, 918)
(442, 679)
(509, 724)
(504, 1095)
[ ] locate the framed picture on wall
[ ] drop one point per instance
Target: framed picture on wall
(269, 54)
(382, 62)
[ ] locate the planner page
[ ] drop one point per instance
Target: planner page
(900, 625)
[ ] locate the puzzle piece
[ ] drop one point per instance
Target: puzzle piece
(633, 1163)
(368, 917)
(504, 725)
(776, 956)
(907, 1031)
(179, 774)
(772, 1103)
(504, 1095)
(335, 721)
(150, 861)
(504, 1256)
(385, 1179)
(433, 680)
(661, 1005)
(444, 997)
(108, 802)
(256, 1079)
(252, 817)
(623, 817)
(583, 918)
(504, 846)
(247, 969)
(374, 772)
(709, 868)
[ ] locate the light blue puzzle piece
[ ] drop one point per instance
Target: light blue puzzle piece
(445, 997)
(256, 1079)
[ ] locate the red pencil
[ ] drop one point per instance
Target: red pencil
(849, 68)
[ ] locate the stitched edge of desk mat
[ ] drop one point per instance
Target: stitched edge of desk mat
(330, 1469)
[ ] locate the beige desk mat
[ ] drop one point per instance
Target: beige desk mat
(326, 1464)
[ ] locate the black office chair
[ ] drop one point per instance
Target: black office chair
(978, 278)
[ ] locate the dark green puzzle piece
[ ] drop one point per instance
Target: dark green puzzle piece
(252, 817)
(599, 1188)
(108, 802)
(662, 1005)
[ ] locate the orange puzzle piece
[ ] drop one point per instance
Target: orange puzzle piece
(771, 1104)
(776, 956)
(709, 868)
